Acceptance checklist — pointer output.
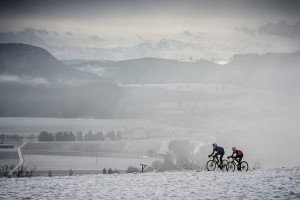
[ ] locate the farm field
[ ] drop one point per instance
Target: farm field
(141, 147)
(34, 125)
(46, 162)
(89, 155)
(8, 157)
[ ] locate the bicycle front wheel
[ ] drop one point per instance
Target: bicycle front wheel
(244, 166)
(224, 166)
(230, 167)
(210, 165)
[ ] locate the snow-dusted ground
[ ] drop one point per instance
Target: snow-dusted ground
(46, 162)
(262, 184)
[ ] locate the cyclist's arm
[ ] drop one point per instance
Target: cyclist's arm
(231, 155)
(212, 153)
(236, 155)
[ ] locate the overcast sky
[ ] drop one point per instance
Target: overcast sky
(118, 30)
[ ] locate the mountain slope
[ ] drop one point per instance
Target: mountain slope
(27, 60)
(152, 70)
(35, 84)
(250, 70)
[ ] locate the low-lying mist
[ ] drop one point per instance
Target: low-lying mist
(251, 103)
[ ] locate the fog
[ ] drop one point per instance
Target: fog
(251, 102)
(156, 66)
(256, 109)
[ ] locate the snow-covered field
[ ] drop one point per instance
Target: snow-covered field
(46, 162)
(34, 125)
(261, 184)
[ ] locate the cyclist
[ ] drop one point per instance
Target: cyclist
(238, 156)
(220, 152)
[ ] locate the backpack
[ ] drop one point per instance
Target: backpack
(239, 152)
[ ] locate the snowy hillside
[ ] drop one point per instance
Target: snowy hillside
(262, 184)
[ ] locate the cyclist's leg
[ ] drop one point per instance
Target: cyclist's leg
(240, 160)
(237, 159)
(221, 158)
(217, 158)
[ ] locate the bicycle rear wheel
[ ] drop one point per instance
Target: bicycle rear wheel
(244, 166)
(224, 166)
(230, 167)
(210, 165)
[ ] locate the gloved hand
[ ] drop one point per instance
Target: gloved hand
(209, 156)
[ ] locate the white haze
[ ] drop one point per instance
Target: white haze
(24, 80)
(251, 102)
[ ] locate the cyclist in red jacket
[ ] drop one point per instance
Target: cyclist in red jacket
(238, 156)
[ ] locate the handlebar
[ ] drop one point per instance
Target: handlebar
(231, 158)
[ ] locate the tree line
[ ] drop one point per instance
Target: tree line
(9, 138)
(79, 136)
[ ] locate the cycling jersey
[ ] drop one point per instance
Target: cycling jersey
(238, 153)
(219, 151)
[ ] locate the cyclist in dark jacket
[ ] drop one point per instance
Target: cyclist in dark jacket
(238, 155)
(220, 152)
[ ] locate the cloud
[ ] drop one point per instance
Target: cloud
(170, 44)
(24, 80)
(99, 71)
(96, 38)
(27, 36)
(145, 44)
(42, 32)
(183, 45)
(282, 29)
(141, 38)
(245, 29)
(39, 81)
(55, 33)
(190, 34)
(69, 33)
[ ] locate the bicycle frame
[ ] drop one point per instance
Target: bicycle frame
(214, 162)
(234, 160)
(217, 160)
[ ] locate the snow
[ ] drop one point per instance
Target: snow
(222, 62)
(46, 162)
(196, 87)
(260, 184)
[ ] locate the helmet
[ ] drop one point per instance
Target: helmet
(234, 149)
(214, 144)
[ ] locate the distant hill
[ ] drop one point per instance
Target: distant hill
(151, 70)
(79, 61)
(275, 70)
(27, 60)
(248, 69)
(34, 83)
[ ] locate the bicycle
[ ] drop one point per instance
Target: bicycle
(211, 164)
(231, 165)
